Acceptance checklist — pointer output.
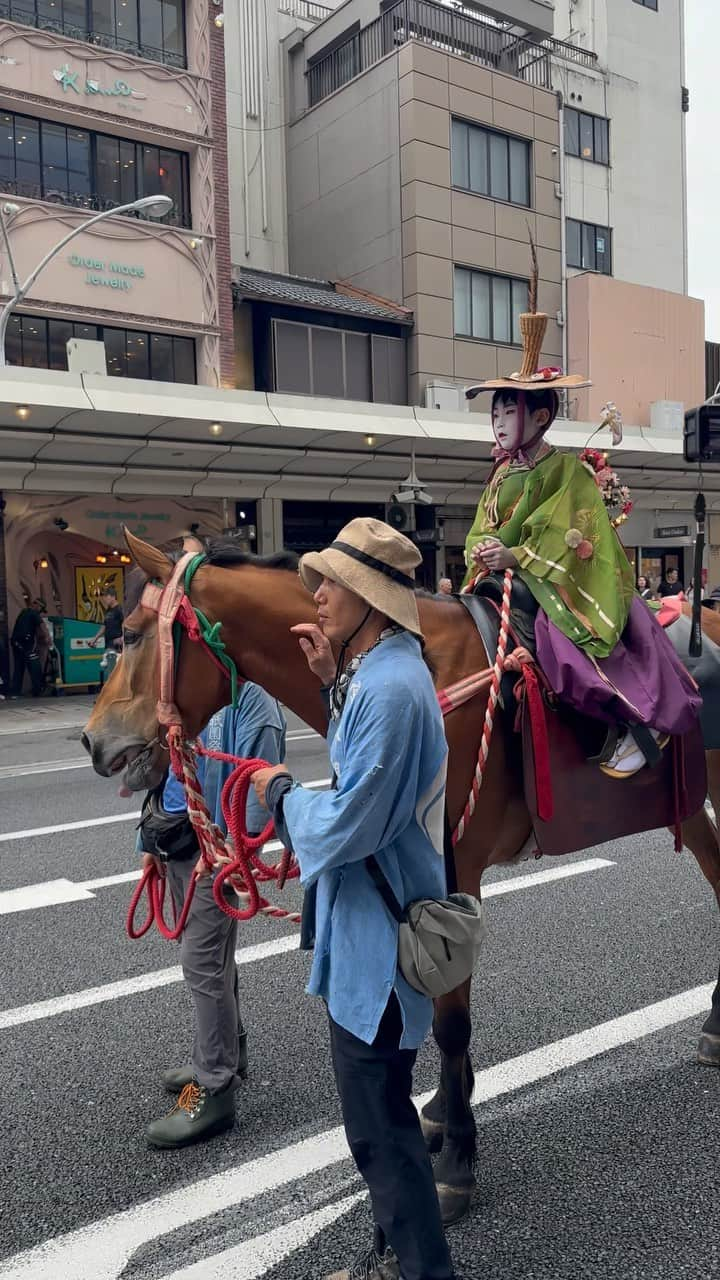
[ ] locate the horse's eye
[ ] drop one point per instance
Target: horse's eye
(131, 637)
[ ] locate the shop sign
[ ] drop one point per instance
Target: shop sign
(108, 274)
(140, 522)
(672, 531)
(70, 80)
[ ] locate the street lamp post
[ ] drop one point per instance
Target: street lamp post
(156, 206)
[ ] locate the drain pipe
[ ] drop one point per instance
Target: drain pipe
(563, 246)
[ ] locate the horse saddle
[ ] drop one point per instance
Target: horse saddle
(572, 803)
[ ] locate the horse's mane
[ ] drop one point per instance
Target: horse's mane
(225, 553)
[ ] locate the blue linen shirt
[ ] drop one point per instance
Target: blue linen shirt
(389, 755)
(255, 729)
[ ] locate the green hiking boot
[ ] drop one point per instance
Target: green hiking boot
(176, 1078)
(196, 1115)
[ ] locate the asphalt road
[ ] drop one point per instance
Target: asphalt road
(598, 1153)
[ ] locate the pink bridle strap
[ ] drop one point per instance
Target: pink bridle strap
(167, 602)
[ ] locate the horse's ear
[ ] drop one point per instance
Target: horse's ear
(153, 561)
(191, 543)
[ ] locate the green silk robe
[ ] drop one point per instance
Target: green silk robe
(540, 514)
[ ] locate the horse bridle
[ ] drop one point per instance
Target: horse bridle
(176, 614)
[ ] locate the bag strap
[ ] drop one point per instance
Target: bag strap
(382, 884)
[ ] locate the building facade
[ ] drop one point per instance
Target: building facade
(103, 103)
(624, 139)
(423, 142)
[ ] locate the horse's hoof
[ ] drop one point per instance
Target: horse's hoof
(454, 1201)
(433, 1132)
(709, 1050)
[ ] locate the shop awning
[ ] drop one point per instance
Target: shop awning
(60, 432)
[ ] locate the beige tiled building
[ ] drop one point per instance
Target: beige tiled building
(418, 177)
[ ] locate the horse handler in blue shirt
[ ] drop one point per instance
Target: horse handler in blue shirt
(389, 759)
(206, 1085)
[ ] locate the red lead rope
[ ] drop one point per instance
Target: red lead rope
(237, 855)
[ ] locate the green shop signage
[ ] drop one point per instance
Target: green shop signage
(70, 81)
(107, 274)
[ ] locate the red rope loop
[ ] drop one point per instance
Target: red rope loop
(237, 855)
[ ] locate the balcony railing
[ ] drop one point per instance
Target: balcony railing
(30, 14)
(446, 29)
(306, 10)
(83, 200)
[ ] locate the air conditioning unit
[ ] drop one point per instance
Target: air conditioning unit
(86, 356)
(667, 417)
(445, 395)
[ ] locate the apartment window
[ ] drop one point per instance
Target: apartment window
(153, 29)
(648, 4)
(589, 246)
(48, 161)
(490, 164)
(313, 360)
(38, 343)
(489, 306)
(587, 136)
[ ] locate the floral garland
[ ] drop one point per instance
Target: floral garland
(615, 495)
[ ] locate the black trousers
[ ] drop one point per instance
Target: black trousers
(383, 1131)
(31, 662)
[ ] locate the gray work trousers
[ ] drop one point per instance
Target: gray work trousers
(207, 955)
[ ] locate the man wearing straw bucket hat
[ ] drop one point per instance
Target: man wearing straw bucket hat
(389, 759)
(543, 515)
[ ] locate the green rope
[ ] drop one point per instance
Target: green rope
(211, 631)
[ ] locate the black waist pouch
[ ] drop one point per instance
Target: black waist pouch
(170, 836)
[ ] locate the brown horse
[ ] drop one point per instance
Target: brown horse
(257, 602)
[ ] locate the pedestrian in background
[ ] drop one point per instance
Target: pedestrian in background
(27, 635)
(644, 588)
(445, 586)
(207, 1084)
(671, 584)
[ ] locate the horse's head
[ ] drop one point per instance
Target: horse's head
(123, 732)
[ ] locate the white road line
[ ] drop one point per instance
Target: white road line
(84, 762)
(254, 1258)
(540, 877)
(102, 1249)
(316, 784)
(52, 766)
(68, 826)
(50, 894)
(25, 1013)
(246, 955)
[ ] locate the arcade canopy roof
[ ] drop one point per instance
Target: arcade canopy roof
(111, 435)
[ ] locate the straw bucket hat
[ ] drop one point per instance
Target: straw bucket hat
(374, 561)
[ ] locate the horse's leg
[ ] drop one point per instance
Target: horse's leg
(451, 1120)
(701, 837)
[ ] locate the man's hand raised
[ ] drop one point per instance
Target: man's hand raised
(317, 650)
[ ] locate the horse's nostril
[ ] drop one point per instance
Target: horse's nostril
(85, 741)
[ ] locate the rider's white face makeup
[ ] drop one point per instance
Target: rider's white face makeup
(340, 611)
(507, 426)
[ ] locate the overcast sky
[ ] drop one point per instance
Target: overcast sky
(702, 21)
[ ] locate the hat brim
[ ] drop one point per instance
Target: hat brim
(567, 381)
(397, 602)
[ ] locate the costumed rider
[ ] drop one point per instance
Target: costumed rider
(543, 515)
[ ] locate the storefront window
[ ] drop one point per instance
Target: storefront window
(91, 170)
(38, 343)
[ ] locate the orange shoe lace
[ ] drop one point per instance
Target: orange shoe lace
(189, 1098)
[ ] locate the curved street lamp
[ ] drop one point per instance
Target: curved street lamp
(156, 206)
